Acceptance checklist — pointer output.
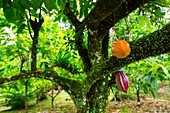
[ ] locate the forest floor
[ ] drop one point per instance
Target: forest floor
(148, 103)
(63, 104)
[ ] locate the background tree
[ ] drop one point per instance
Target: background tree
(90, 22)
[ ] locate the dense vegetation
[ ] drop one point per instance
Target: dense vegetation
(67, 43)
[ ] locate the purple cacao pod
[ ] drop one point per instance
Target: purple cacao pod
(122, 81)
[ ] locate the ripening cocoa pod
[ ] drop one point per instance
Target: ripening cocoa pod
(120, 49)
(122, 81)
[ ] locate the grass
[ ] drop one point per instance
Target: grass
(63, 104)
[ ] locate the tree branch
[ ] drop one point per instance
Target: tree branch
(70, 15)
(124, 10)
(83, 52)
(68, 66)
(105, 46)
(103, 9)
(36, 27)
(51, 75)
(154, 44)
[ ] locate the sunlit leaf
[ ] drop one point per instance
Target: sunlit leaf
(165, 70)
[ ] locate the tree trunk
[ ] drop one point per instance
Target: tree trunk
(81, 102)
(98, 96)
(26, 96)
(137, 93)
(95, 101)
(52, 96)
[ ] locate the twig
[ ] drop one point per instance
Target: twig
(29, 26)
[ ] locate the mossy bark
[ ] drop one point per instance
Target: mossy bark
(93, 101)
(98, 96)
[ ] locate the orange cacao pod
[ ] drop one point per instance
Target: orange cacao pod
(120, 49)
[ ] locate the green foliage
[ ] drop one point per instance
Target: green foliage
(24, 3)
(35, 4)
(14, 92)
(10, 13)
(62, 3)
(49, 4)
(141, 22)
(12, 10)
(163, 2)
(148, 73)
(56, 43)
(14, 95)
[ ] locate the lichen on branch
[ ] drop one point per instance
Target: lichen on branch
(51, 75)
(154, 44)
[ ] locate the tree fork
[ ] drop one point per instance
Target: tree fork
(83, 51)
(99, 92)
(118, 14)
(36, 27)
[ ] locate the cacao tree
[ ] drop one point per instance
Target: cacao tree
(90, 21)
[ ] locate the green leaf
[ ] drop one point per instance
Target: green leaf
(35, 4)
(43, 60)
(20, 28)
(148, 23)
(6, 3)
(158, 13)
(67, 56)
(59, 55)
(49, 4)
(44, 74)
(81, 9)
(154, 93)
(1, 52)
(146, 79)
(163, 2)
(144, 20)
(141, 21)
(62, 3)
(10, 13)
(47, 43)
(165, 71)
(145, 89)
(18, 5)
(1, 3)
(25, 3)
(73, 6)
